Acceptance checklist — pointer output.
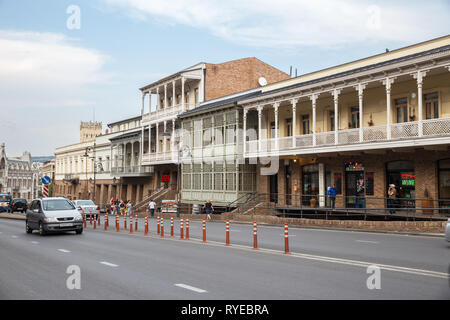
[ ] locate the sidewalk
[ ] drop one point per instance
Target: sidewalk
(16, 216)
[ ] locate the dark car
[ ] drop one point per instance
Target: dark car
(18, 204)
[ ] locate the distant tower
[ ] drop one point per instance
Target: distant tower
(90, 130)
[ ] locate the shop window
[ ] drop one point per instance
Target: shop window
(402, 175)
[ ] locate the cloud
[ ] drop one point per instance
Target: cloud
(45, 69)
(293, 23)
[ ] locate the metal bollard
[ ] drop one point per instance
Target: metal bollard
(187, 229)
(228, 233)
(255, 239)
(157, 224)
(204, 230)
(162, 227)
(286, 239)
(146, 225)
(117, 223)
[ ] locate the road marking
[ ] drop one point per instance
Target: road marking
(109, 264)
(14, 237)
(34, 242)
(367, 241)
(64, 250)
(185, 286)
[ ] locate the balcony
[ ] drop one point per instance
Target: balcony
(160, 158)
(426, 132)
(167, 113)
(132, 171)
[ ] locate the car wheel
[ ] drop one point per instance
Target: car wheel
(41, 229)
(27, 227)
(79, 231)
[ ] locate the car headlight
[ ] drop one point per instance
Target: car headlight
(50, 220)
(78, 218)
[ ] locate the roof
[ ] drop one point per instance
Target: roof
(357, 70)
(126, 135)
(125, 120)
(222, 101)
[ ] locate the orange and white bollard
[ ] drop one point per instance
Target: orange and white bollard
(106, 221)
(131, 223)
(117, 223)
(204, 230)
(84, 219)
(146, 225)
(98, 218)
(125, 221)
(95, 223)
(286, 239)
(171, 226)
(181, 229)
(187, 228)
(157, 225)
(90, 218)
(136, 223)
(255, 239)
(162, 227)
(228, 233)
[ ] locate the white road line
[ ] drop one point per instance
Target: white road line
(367, 241)
(14, 237)
(34, 242)
(64, 250)
(185, 286)
(109, 264)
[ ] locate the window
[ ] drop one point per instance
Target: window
(401, 106)
(305, 123)
(431, 105)
(289, 127)
(207, 134)
(331, 120)
(354, 117)
(218, 176)
(196, 95)
(197, 133)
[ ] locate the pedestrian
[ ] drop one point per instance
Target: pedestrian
(129, 207)
(152, 206)
(122, 207)
(331, 193)
(392, 193)
(209, 209)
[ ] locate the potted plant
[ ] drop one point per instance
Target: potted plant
(427, 203)
(370, 122)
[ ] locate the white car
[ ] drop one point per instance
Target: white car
(87, 207)
(53, 215)
(447, 230)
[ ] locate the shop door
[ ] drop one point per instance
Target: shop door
(288, 185)
(273, 181)
(354, 189)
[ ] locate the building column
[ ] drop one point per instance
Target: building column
(157, 138)
(183, 105)
(173, 94)
(165, 95)
(150, 101)
(143, 104)
(149, 139)
(313, 99)
(419, 77)
(294, 120)
(361, 88)
(164, 137)
(260, 109)
(322, 186)
(388, 82)
(336, 93)
(158, 100)
(275, 107)
(244, 126)
(172, 140)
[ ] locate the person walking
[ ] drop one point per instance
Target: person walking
(331, 193)
(129, 207)
(209, 209)
(392, 194)
(152, 206)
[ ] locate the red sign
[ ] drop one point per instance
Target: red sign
(165, 177)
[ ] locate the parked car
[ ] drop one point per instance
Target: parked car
(18, 204)
(447, 230)
(53, 215)
(88, 207)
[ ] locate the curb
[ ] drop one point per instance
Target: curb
(12, 216)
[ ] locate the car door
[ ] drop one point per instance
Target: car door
(30, 215)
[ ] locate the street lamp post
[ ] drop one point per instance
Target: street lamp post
(96, 164)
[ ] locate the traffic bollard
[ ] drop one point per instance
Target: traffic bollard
(286, 239)
(171, 226)
(255, 239)
(162, 227)
(181, 229)
(228, 232)
(117, 223)
(146, 225)
(131, 223)
(136, 223)
(187, 229)
(106, 221)
(84, 219)
(95, 223)
(90, 218)
(204, 230)
(157, 225)
(124, 221)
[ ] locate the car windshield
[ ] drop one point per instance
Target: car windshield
(57, 204)
(20, 200)
(85, 203)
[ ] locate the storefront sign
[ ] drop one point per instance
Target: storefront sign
(353, 166)
(165, 177)
(408, 179)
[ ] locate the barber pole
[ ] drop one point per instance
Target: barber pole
(131, 223)
(117, 223)
(146, 224)
(255, 239)
(171, 226)
(286, 239)
(45, 191)
(204, 230)
(181, 229)
(162, 227)
(157, 225)
(228, 233)
(187, 229)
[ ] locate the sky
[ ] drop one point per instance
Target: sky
(62, 62)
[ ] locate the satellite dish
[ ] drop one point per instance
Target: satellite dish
(262, 81)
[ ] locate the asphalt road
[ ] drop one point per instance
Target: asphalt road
(322, 265)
